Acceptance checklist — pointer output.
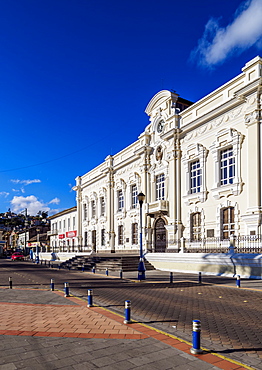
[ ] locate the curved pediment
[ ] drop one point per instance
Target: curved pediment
(159, 99)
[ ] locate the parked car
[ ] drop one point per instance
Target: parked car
(17, 256)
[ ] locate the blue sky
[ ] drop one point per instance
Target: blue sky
(76, 76)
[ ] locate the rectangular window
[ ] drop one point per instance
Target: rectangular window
(85, 238)
(60, 226)
(120, 235)
(227, 166)
(195, 177)
(228, 222)
(196, 226)
(102, 206)
(74, 223)
(93, 208)
(134, 196)
(103, 237)
(120, 200)
(134, 233)
(160, 187)
(84, 211)
(68, 224)
(64, 225)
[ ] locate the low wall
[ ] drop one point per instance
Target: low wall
(224, 264)
(60, 256)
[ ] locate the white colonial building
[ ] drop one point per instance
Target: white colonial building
(63, 231)
(199, 166)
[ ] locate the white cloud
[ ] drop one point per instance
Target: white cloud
(218, 43)
(26, 182)
(33, 205)
(4, 193)
(54, 201)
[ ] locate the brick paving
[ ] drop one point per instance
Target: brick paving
(65, 334)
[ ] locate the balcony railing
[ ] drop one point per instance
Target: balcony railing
(52, 232)
(158, 206)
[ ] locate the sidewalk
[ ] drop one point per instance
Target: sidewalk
(40, 329)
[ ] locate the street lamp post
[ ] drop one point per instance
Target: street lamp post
(141, 265)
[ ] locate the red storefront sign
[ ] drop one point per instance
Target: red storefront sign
(70, 234)
(61, 236)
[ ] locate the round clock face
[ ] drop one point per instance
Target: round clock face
(160, 126)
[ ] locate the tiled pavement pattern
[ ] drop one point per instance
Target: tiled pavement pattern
(53, 332)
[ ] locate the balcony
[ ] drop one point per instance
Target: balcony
(159, 206)
(52, 232)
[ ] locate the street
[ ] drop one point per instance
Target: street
(230, 317)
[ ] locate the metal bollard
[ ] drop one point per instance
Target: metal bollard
(238, 281)
(83, 268)
(121, 274)
(196, 350)
(199, 278)
(59, 266)
(90, 298)
(127, 312)
(52, 285)
(45, 262)
(171, 278)
(10, 283)
(93, 270)
(106, 271)
(49, 263)
(66, 290)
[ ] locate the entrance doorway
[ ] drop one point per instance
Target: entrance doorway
(160, 236)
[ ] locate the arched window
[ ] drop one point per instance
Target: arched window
(227, 222)
(195, 226)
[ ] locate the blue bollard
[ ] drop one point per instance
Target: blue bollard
(10, 283)
(196, 350)
(93, 270)
(90, 298)
(66, 290)
(59, 266)
(127, 312)
(238, 281)
(171, 278)
(52, 285)
(106, 271)
(199, 278)
(83, 268)
(121, 274)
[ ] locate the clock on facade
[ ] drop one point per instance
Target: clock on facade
(160, 126)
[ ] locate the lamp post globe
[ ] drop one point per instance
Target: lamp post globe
(141, 264)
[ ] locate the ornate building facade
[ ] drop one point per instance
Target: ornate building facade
(199, 166)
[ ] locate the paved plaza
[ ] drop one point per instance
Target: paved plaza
(43, 329)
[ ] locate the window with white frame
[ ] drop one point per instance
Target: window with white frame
(195, 177)
(85, 238)
(134, 233)
(134, 196)
(93, 208)
(160, 187)
(74, 223)
(103, 237)
(120, 235)
(68, 224)
(194, 161)
(84, 211)
(227, 166)
(195, 224)
(226, 151)
(227, 222)
(120, 200)
(102, 206)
